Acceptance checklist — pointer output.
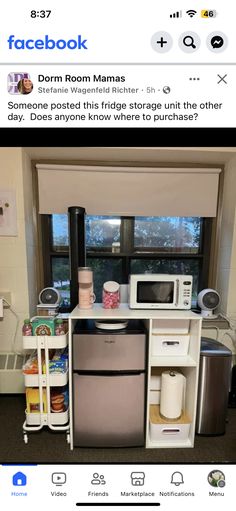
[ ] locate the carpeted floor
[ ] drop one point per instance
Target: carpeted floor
(46, 446)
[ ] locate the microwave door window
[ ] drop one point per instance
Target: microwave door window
(155, 292)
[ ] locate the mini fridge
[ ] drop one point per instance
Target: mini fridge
(109, 380)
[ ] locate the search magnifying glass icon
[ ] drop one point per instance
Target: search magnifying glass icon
(188, 41)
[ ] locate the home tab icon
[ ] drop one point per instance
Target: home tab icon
(19, 479)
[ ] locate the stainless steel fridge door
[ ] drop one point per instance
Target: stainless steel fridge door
(109, 410)
(109, 352)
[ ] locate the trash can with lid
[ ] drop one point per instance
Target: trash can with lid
(213, 387)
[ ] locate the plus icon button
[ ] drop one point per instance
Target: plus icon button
(161, 42)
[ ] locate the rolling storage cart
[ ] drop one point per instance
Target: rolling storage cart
(44, 382)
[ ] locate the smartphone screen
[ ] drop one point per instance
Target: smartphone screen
(117, 157)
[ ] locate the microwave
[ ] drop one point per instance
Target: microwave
(157, 291)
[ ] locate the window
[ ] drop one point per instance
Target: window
(118, 246)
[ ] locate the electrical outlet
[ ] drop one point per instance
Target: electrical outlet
(7, 296)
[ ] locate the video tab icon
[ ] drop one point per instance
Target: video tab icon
(58, 478)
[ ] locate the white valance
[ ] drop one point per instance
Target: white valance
(128, 191)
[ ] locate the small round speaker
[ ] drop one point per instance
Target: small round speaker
(49, 296)
(208, 300)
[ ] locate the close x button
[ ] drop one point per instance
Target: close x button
(222, 79)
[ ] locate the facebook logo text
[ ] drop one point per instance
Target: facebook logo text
(47, 43)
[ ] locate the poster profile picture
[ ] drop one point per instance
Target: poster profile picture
(25, 86)
(19, 83)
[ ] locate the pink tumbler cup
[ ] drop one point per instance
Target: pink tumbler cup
(86, 294)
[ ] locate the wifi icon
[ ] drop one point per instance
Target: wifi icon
(191, 13)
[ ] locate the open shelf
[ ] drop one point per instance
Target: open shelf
(170, 361)
(124, 312)
(168, 444)
(168, 432)
(49, 341)
(55, 379)
(35, 419)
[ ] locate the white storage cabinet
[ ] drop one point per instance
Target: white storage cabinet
(183, 330)
(177, 349)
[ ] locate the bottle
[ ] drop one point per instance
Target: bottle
(86, 294)
(111, 295)
(60, 327)
(27, 327)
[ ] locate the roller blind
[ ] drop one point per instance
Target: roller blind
(128, 191)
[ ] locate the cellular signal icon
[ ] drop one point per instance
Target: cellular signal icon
(191, 13)
(177, 14)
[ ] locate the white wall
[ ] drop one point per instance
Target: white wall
(226, 272)
(226, 278)
(17, 272)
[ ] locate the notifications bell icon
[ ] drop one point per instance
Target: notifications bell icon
(177, 478)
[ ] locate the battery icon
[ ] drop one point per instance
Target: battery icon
(206, 13)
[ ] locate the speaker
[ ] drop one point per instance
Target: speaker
(49, 296)
(208, 300)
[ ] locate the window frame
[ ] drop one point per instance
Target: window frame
(128, 251)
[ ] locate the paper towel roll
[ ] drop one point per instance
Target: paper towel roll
(172, 391)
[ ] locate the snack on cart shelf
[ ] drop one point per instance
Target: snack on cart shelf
(33, 400)
(59, 399)
(59, 362)
(61, 327)
(43, 326)
(31, 364)
(57, 403)
(27, 327)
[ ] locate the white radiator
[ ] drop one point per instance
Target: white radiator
(11, 377)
